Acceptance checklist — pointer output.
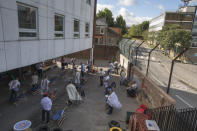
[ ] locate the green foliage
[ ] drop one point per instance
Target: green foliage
(120, 22)
(106, 13)
(139, 30)
(173, 36)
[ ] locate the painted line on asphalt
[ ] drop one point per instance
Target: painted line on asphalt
(158, 81)
(184, 101)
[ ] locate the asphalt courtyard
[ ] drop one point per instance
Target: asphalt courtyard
(89, 115)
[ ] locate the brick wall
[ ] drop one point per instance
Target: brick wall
(100, 52)
(150, 94)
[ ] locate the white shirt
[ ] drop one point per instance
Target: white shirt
(102, 73)
(113, 101)
(34, 79)
(77, 78)
(45, 84)
(14, 84)
(46, 103)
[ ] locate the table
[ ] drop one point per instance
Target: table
(23, 125)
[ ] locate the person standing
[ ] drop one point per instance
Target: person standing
(82, 70)
(77, 78)
(14, 87)
(62, 63)
(46, 104)
(34, 80)
(39, 68)
(45, 85)
(102, 73)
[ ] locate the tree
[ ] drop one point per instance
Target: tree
(171, 35)
(120, 22)
(139, 30)
(106, 13)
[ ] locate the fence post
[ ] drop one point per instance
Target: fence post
(149, 58)
(137, 52)
(172, 67)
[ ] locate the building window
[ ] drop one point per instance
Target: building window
(76, 28)
(88, 2)
(27, 21)
(87, 30)
(59, 26)
(96, 40)
(109, 40)
(102, 30)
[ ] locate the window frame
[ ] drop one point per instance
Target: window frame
(101, 28)
(87, 34)
(88, 2)
(25, 30)
(59, 32)
(76, 33)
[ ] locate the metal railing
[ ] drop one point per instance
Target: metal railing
(171, 119)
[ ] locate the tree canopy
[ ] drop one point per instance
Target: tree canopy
(173, 36)
(120, 22)
(139, 30)
(106, 13)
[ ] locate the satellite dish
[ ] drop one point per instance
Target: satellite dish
(186, 2)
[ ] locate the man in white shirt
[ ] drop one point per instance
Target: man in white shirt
(113, 101)
(44, 85)
(77, 78)
(46, 107)
(101, 74)
(14, 87)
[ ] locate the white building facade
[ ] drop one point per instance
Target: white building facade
(32, 31)
(157, 23)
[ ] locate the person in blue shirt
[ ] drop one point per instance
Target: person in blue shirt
(82, 70)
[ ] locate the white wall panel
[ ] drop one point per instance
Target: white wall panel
(13, 56)
(59, 5)
(51, 49)
(43, 50)
(1, 27)
(42, 28)
(59, 47)
(10, 23)
(2, 57)
(30, 52)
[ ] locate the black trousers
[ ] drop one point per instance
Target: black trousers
(101, 80)
(110, 110)
(45, 114)
(13, 95)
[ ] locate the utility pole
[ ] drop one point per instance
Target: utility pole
(94, 30)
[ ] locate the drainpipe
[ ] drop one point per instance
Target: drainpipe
(94, 30)
(172, 67)
(149, 54)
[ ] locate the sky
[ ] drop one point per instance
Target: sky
(137, 11)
